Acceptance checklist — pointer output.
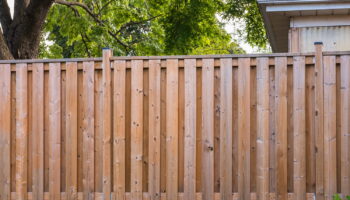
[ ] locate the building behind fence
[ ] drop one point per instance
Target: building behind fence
(182, 127)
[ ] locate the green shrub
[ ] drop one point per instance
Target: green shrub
(337, 197)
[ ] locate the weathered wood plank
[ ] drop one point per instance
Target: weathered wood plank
(319, 123)
(55, 130)
(310, 128)
(281, 126)
(136, 128)
(208, 129)
(38, 131)
(235, 156)
(172, 94)
(98, 104)
(72, 131)
(330, 165)
(299, 151)
(106, 125)
(198, 128)
(226, 129)
(163, 133)
(254, 128)
(145, 128)
(263, 129)
(190, 130)
(119, 129)
(244, 128)
(46, 130)
(154, 130)
(63, 128)
(88, 130)
(290, 128)
(345, 129)
(5, 131)
(217, 148)
(181, 133)
(21, 130)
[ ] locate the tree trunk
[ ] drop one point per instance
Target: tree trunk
(5, 53)
(21, 38)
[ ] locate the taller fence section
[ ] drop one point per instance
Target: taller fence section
(182, 127)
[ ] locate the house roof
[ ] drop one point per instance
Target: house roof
(277, 14)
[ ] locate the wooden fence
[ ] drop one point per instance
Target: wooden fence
(183, 127)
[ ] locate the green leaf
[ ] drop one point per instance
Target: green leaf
(149, 27)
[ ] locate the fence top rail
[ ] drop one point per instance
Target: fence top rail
(332, 53)
(50, 60)
(209, 56)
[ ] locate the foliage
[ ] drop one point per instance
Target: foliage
(248, 11)
(337, 197)
(147, 27)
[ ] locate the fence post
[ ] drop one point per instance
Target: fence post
(319, 120)
(106, 123)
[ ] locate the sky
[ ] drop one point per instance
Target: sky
(11, 4)
(230, 26)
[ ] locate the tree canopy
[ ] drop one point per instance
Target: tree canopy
(137, 27)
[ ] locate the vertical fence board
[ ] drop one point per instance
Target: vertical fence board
(80, 116)
(88, 130)
(299, 129)
(190, 130)
(244, 128)
(119, 129)
(98, 130)
(136, 128)
(198, 129)
(5, 131)
(226, 129)
(46, 130)
(263, 129)
(63, 131)
(181, 125)
(163, 162)
(54, 130)
(290, 129)
(281, 126)
(21, 131)
(207, 169)
(106, 124)
(310, 129)
(253, 130)
(145, 129)
(272, 134)
(235, 156)
(172, 106)
(38, 131)
(345, 111)
(154, 130)
(216, 155)
(330, 175)
(338, 129)
(319, 123)
(72, 131)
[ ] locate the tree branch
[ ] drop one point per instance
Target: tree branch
(5, 16)
(81, 5)
(96, 18)
(83, 36)
(20, 7)
(104, 6)
(133, 23)
(71, 4)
